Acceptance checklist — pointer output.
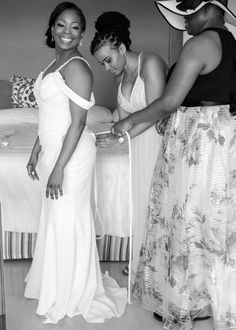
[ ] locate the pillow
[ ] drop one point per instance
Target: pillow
(22, 92)
(99, 115)
(5, 94)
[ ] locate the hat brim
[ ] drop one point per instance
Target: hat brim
(175, 17)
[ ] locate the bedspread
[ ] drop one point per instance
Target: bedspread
(20, 197)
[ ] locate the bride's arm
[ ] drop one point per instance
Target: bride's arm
(33, 160)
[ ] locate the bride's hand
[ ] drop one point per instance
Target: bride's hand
(54, 185)
(31, 167)
(122, 126)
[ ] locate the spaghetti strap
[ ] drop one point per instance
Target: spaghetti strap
(70, 59)
(139, 61)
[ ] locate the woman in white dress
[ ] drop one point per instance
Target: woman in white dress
(65, 274)
(141, 79)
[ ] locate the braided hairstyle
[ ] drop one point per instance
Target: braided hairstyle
(112, 27)
(56, 12)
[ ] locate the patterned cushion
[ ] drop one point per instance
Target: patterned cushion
(22, 92)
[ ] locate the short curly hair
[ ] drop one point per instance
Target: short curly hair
(112, 27)
(56, 12)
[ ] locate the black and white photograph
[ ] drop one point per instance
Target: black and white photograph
(118, 165)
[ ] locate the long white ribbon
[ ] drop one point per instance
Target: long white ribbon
(130, 218)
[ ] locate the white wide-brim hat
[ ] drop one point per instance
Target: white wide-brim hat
(175, 17)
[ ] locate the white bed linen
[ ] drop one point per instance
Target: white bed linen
(20, 197)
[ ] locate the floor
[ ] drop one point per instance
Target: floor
(20, 312)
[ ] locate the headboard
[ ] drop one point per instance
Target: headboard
(5, 94)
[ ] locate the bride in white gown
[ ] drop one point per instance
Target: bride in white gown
(65, 274)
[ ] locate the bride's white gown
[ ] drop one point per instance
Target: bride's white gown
(65, 273)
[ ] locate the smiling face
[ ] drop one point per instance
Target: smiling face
(67, 30)
(112, 58)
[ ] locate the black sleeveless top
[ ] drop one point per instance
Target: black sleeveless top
(218, 85)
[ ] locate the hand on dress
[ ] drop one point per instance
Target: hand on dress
(106, 140)
(161, 125)
(31, 167)
(54, 185)
(122, 126)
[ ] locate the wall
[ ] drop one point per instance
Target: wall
(23, 24)
(232, 7)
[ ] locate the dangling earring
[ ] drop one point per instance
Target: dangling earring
(52, 38)
(80, 43)
(122, 49)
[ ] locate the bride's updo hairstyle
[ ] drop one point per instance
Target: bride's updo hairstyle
(113, 29)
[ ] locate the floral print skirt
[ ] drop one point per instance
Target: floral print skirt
(187, 265)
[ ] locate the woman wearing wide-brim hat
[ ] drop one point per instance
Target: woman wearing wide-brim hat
(187, 266)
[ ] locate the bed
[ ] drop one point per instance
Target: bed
(21, 199)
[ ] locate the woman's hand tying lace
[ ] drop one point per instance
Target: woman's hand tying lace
(122, 126)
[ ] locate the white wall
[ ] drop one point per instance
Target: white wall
(23, 24)
(232, 7)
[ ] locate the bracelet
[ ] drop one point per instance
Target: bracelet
(121, 140)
